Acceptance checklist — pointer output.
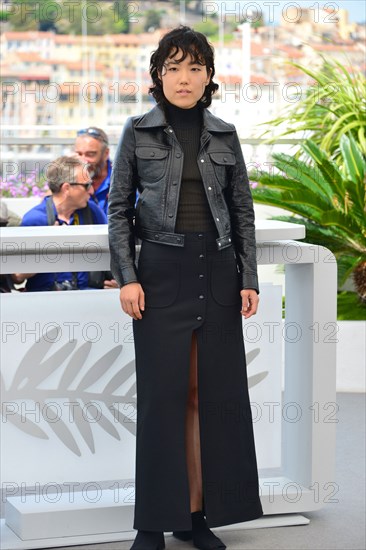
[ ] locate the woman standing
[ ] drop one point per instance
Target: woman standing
(196, 276)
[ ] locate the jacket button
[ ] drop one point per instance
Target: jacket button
(219, 244)
(201, 256)
(201, 276)
(174, 183)
(156, 236)
(199, 318)
(209, 188)
(202, 160)
(217, 219)
(178, 155)
(152, 154)
(225, 159)
(201, 297)
(171, 215)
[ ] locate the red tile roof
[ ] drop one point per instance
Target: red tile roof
(290, 51)
(335, 47)
(233, 79)
(27, 35)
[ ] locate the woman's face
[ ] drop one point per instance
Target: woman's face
(184, 81)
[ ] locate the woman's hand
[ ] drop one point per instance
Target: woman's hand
(250, 300)
(132, 299)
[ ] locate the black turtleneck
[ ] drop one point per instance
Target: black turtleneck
(194, 213)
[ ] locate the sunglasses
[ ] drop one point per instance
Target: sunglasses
(86, 186)
(93, 132)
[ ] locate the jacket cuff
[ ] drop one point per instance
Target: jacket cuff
(128, 275)
(249, 280)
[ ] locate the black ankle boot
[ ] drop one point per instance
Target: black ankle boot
(182, 535)
(187, 535)
(149, 540)
(203, 537)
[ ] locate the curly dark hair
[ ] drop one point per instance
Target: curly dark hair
(190, 42)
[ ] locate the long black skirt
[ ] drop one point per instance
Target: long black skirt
(192, 289)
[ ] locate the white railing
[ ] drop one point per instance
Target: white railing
(74, 350)
(43, 149)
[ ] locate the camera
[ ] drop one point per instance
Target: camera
(65, 285)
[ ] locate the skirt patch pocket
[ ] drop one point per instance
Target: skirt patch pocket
(160, 281)
(225, 287)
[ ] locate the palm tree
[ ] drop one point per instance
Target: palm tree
(335, 104)
(328, 200)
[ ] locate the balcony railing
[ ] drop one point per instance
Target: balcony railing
(43, 149)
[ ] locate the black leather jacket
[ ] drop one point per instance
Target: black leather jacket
(150, 159)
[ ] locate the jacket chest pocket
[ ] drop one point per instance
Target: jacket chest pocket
(152, 162)
(221, 162)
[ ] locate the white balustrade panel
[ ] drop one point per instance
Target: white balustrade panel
(68, 393)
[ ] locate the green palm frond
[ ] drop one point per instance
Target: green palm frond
(334, 105)
(327, 167)
(354, 161)
(275, 198)
(330, 202)
(323, 184)
(316, 234)
(343, 222)
(346, 264)
(311, 177)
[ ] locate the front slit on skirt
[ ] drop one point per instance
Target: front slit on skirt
(192, 289)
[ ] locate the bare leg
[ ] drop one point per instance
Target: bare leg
(202, 537)
(193, 448)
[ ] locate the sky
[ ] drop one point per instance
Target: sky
(356, 8)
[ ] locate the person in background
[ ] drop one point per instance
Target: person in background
(7, 219)
(92, 147)
(69, 204)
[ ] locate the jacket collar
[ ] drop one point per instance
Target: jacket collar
(155, 118)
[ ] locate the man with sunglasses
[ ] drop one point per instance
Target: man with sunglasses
(92, 147)
(71, 187)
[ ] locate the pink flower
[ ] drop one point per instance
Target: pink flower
(23, 185)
